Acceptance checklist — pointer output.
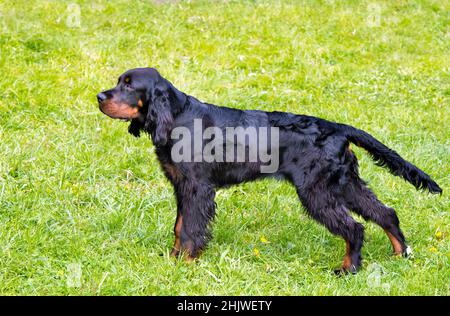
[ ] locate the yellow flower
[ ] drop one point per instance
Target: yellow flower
(433, 249)
(264, 240)
(256, 252)
(439, 235)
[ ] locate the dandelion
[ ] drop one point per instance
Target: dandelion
(256, 252)
(264, 240)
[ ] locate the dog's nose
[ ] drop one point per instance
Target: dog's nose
(101, 97)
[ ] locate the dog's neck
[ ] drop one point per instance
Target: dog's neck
(180, 99)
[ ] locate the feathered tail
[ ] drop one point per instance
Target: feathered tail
(385, 156)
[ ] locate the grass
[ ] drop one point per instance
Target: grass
(76, 191)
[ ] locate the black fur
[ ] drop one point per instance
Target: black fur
(314, 156)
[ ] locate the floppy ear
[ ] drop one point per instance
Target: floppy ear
(159, 117)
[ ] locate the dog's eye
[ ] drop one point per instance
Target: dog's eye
(127, 81)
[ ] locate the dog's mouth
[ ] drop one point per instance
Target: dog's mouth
(119, 110)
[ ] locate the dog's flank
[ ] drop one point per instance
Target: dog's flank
(314, 156)
(383, 156)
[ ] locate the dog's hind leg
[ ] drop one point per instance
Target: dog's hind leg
(361, 200)
(323, 207)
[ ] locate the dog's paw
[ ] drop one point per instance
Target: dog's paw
(408, 252)
(345, 271)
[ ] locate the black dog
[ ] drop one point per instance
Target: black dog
(314, 155)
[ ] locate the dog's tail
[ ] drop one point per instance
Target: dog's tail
(386, 157)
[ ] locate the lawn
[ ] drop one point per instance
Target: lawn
(84, 207)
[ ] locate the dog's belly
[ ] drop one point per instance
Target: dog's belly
(226, 174)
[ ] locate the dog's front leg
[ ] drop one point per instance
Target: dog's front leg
(196, 208)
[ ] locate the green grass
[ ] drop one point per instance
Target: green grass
(76, 188)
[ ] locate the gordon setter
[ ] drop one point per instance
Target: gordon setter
(314, 155)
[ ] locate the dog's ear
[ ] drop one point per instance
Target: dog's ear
(165, 102)
(159, 117)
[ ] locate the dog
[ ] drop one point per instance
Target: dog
(314, 155)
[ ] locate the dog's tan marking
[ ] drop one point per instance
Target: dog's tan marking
(172, 172)
(120, 110)
(177, 244)
(396, 245)
(347, 263)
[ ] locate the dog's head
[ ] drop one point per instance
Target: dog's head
(147, 99)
